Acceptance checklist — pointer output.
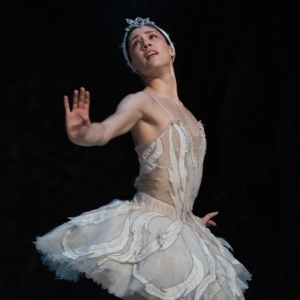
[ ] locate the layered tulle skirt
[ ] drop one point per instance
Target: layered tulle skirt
(140, 247)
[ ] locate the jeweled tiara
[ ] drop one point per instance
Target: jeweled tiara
(138, 22)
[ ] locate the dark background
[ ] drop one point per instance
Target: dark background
(236, 71)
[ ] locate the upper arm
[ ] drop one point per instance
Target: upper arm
(128, 113)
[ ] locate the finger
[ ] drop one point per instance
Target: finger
(212, 223)
(86, 104)
(67, 105)
(207, 217)
(75, 100)
(212, 214)
(81, 97)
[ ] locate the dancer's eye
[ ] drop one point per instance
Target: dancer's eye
(135, 44)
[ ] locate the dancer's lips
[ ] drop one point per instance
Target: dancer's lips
(150, 53)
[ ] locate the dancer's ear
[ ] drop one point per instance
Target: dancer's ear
(172, 53)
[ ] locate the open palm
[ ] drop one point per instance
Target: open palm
(78, 120)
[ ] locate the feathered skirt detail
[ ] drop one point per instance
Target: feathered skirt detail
(140, 247)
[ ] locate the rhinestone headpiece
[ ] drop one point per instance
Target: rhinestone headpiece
(138, 23)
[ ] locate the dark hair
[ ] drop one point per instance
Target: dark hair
(129, 32)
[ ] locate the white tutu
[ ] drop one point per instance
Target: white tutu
(153, 245)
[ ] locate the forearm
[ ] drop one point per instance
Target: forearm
(84, 133)
(95, 136)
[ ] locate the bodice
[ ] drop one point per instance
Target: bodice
(171, 166)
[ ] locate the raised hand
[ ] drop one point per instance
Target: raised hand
(78, 120)
(206, 221)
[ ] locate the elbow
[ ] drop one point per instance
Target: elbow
(79, 142)
(104, 137)
(102, 142)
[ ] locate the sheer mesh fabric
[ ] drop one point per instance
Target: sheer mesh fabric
(156, 183)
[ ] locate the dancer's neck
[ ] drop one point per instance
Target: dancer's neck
(163, 87)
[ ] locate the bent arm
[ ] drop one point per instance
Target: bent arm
(127, 114)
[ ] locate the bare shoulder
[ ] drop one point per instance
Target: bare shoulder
(140, 102)
(136, 99)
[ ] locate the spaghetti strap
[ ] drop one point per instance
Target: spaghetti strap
(160, 105)
(133, 137)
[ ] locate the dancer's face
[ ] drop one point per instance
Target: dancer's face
(148, 48)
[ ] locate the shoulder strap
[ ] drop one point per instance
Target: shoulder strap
(133, 137)
(161, 106)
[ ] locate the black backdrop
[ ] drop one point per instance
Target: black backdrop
(236, 71)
